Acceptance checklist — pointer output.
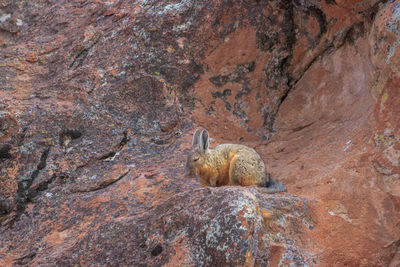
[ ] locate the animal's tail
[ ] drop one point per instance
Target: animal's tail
(274, 186)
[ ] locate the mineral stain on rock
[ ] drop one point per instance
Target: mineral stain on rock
(99, 101)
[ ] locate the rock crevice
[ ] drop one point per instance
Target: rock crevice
(99, 102)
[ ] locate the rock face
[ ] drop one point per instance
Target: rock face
(98, 102)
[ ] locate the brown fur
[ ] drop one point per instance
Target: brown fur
(226, 164)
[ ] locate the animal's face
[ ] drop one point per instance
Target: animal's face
(195, 160)
(197, 155)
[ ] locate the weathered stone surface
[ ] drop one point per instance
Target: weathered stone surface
(199, 227)
(98, 101)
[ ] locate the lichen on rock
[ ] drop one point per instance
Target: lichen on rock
(99, 100)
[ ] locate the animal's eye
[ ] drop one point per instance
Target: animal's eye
(196, 159)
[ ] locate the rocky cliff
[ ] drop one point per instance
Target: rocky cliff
(98, 102)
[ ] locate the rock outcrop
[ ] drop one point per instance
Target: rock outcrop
(98, 102)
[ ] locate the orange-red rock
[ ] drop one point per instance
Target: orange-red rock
(94, 134)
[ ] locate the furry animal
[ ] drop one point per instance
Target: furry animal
(228, 164)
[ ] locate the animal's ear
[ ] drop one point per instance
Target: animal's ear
(196, 139)
(204, 140)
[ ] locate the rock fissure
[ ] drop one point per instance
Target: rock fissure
(112, 93)
(24, 192)
(24, 184)
(103, 184)
(117, 148)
